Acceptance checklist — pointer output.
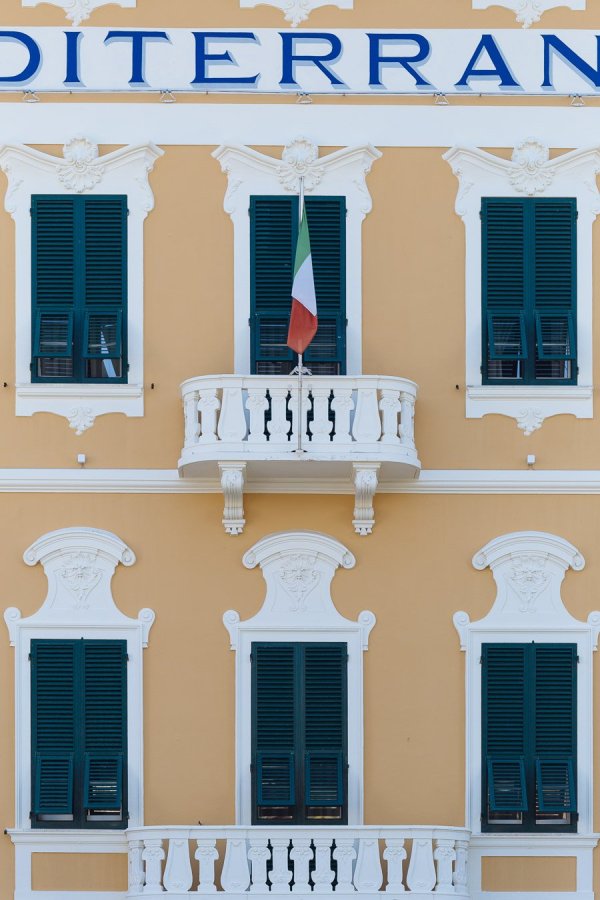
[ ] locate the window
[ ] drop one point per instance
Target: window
(274, 233)
(79, 289)
(529, 737)
(299, 733)
(79, 733)
(529, 290)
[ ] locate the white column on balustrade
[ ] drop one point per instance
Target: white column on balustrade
(321, 426)
(407, 421)
(192, 422)
(323, 874)
(280, 875)
(232, 421)
(135, 867)
(390, 407)
(344, 855)
(461, 871)
(368, 876)
(367, 423)
(207, 855)
(278, 426)
(178, 870)
(342, 405)
(421, 870)
(395, 854)
(257, 404)
(444, 856)
(153, 855)
(208, 407)
(301, 856)
(235, 878)
(259, 854)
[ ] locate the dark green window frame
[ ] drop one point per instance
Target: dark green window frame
(79, 289)
(79, 734)
(529, 290)
(273, 238)
(529, 738)
(299, 733)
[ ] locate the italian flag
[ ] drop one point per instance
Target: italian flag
(303, 320)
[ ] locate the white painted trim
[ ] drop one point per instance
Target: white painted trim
(297, 11)
(79, 564)
(123, 171)
(298, 568)
(529, 173)
(529, 11)
(77, 11)
(342, 173)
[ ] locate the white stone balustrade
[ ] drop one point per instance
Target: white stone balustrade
(419, 861)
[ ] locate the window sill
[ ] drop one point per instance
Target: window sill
(530, 405)
(560, 844)
(80, 404)
(66, 840)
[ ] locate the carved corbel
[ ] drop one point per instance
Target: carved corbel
(233, 476)
(365, 485)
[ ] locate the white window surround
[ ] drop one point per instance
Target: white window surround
(297, 11)
(530, 11)
(342, 173)
(529, 568)
(77, 11)
(298, 568)
(79, 564)
(80, 171)
(529, 173)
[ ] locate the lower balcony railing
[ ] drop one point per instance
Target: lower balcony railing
(280, 860)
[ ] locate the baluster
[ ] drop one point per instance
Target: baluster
(421, 871)
(259, 854)
(192, 422)
(257, 405)
(444, 856)
(206, 854)
(279, 426)
(280, 876)
(323, 874)
(232, 421)
(344, 855)
(321, 427)
(395, 854)
(208, 406)
(178, 871)
(407, 421)
(306, 403)
(342, 405)
(153, 856)
(135, 867)
(235, 878)
(461, 870)
(390, 406)
(368, 876)
(367, 424)
(301, 856)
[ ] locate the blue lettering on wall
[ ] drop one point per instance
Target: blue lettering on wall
(204, 58)
(554, 45)
(138, 40)
(292, 59)
(72, 67)
(377, 62)
(35, 57)
(500, 68)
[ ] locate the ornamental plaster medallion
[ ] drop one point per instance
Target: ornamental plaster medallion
(297, 11)
(529, 579)
(80, 576)
(530, 420)
(77, 11)
(299, 577)
(531, 174)
(82, 171)
(300, 161)
(527, 12)
(81, 418)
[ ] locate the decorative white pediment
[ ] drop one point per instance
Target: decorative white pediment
(77, 11)
(79, 564)
(530, 172)
(297, 11)
(530, 11)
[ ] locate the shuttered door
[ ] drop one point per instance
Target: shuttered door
(274, 231)
(79, 288)
(79, 733)
(299, 733)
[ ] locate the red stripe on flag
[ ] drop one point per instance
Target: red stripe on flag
(303, 327)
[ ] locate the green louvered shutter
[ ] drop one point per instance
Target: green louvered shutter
(325, 706)
(104, 727)
(274, 727)
(274, 230)
(556, 727)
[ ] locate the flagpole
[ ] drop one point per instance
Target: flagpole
(299, 449)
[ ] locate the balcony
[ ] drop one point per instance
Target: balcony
(418, 860)
(357, 431)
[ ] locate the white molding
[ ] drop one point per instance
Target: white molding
(79, 564)
(297, 11)
(81, 170)
(341, 173)
(530, 172)
(77, 11)
(529, 11)
(298, 568)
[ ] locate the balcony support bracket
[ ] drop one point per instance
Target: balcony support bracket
(233, 476)
(366, 477)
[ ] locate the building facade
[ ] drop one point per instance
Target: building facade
(327, 636)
